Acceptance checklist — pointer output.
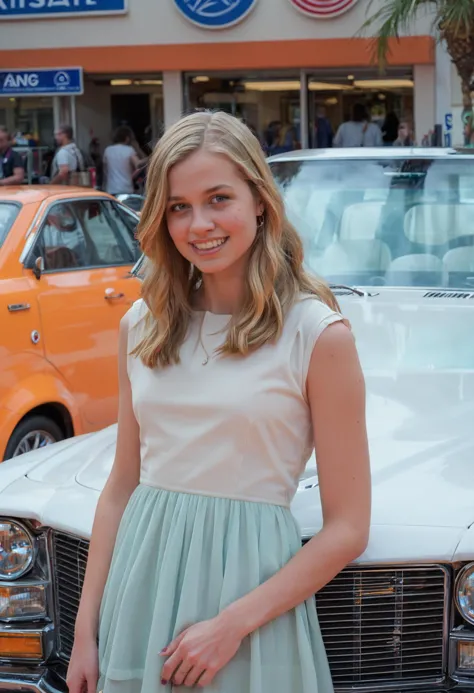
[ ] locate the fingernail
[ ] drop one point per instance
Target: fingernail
(163, 651)
(164, 682)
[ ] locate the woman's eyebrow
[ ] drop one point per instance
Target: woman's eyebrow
(221, 186)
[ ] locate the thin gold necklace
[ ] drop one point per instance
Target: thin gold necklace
(208, 357)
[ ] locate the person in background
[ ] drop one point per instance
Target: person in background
(11, 165)
(271, 134)
(405, 135)
(324, 134)
(96, 158)
(390, 128)
(68, 157)
(62, 231)
(120, 162)
(286, 140)
(359, 131)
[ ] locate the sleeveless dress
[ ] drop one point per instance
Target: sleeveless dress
(222, 448)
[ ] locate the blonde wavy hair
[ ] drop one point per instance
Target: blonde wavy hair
(275, 276)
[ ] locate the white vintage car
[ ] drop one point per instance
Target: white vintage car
(396, 228)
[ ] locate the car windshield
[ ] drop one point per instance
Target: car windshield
(8, 214)
(384, 222)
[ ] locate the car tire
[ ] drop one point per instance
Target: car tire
(33, 432)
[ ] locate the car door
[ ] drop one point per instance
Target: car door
(84, 290)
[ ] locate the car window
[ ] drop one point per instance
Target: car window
(82, 234)
(125, 225)
(8, 214)
(396, 222)
(109, 244)
(61, 241)
(135, 202)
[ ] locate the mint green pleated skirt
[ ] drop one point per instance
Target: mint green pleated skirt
(181, 558)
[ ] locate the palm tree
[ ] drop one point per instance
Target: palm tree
(453, 23)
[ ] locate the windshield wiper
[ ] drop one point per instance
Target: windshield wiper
(351, 289)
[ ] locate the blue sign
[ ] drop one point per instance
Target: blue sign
(215, 14)
(34, 9)
(448, 121)
(43, 82)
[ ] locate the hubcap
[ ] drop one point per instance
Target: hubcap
(32, 441)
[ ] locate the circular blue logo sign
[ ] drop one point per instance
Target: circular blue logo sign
(215, 14)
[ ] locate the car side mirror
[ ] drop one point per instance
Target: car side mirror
(38, 267)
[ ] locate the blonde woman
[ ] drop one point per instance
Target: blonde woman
(234, 365)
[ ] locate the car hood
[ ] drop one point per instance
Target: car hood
(421, 471)
(423, 486)
(419, 418)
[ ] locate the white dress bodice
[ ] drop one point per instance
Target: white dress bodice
(237, 427)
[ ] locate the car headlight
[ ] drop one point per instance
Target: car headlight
(17, 551)
(464, 592)
(22, 601)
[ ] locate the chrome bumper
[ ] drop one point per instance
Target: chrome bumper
(41, 683)
(29, 683)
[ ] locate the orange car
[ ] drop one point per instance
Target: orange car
(65, 282)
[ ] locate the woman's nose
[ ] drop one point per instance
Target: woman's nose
(201, 222)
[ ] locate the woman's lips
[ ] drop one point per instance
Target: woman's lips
(209, 247)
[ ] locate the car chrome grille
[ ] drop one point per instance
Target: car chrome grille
(384, 625)
(379, 625)
(70, 558)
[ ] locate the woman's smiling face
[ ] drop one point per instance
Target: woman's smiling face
(211, 212)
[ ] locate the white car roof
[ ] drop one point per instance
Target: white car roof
(370, 153)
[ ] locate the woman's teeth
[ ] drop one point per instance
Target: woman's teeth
(208, 245)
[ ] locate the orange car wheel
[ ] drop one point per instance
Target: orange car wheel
(32, 433)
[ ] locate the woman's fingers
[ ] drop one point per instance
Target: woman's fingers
(206, 678)
(180, 674)
(91, 684)
(171, 666)
(185, 675)
(76, 684)
(173, 646)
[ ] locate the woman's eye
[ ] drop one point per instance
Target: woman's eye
(219, 198)
(177, 207)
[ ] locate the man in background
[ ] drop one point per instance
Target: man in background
(405, 135)
(120, 162)
(324, 133)
(11, 165)
(68, 157)
(359, 131)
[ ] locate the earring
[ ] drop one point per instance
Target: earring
(261, 221)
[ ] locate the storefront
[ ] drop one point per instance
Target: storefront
(264, 98)
(32, 100)
(272, 62)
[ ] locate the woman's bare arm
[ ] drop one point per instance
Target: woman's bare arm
(336, 392)
(123, 480)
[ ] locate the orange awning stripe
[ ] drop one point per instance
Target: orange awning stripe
(250, 55)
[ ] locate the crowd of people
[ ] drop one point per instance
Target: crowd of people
(122, 166)
(358, 131)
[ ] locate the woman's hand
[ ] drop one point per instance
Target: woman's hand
(83, 670)
(199, 652)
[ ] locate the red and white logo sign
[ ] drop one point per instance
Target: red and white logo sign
(323, 9)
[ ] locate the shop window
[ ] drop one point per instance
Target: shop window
(332, 96)
(268, 103)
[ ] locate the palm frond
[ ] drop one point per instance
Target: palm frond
(394, 18)
(456, 15)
